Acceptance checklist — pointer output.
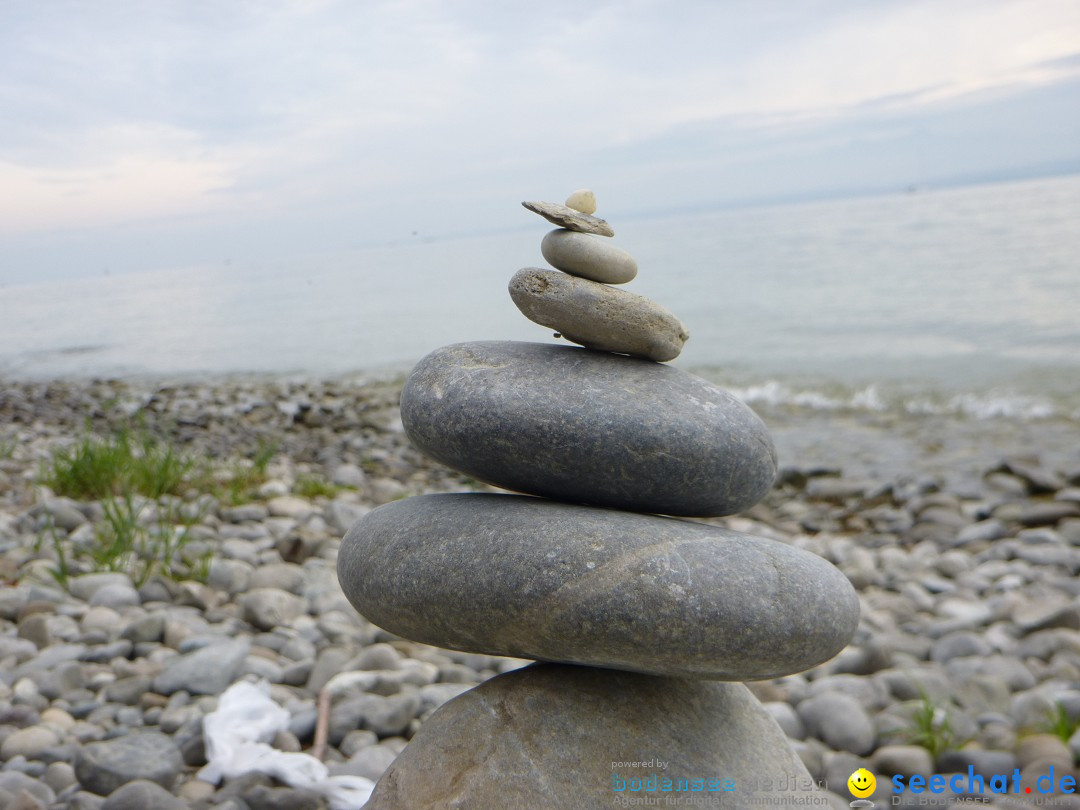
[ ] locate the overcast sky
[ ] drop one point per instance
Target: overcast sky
(137, 135)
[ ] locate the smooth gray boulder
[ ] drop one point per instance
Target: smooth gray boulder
(588, 256)
(588, 427)
(597, 316)
(533, 578)
(561, 736)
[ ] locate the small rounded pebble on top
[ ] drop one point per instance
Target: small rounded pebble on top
(582, 200)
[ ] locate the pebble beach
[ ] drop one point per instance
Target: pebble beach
(961, 536)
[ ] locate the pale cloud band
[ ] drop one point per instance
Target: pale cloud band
(119, 112)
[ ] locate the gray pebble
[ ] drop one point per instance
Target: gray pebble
(208, 671)
(377, 656)
(983, 763)
(958, 645)
(115, 596)
(907, 760)
(282, 798)
(35, 629)
(357, 740)
(840, 721)
(249, 512)
(14, 782)
(342, 514)
(787, 718)
(102, 767)
(231, 576)
(266, 608)
(84, 587)
(28, 742)
(142, 795)
(63, 513)
(59, 776)
(369, 763)
(385, 716)
(128, 690)
(283, 576)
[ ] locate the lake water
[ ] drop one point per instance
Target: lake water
(963, 298)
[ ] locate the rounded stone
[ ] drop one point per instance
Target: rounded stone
(588, 427)
(557, 736)
(532, 578)
(582, 200)
(28, 742)
(103, 767)
(142, 795)
(598, 316)
(588, 256)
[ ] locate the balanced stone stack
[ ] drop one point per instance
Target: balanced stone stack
(639, 615)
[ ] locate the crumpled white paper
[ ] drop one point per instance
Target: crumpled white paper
(236, 737)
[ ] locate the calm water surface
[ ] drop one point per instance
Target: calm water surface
(964, 298)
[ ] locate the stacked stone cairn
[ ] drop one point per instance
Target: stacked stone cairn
(644, 621)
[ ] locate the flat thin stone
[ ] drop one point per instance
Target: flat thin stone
(588, 256)
(588, 427)
(566, 217)
(533, 578)
(557, 736)
(598, 316)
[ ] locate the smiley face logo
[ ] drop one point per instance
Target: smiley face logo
(861, 783)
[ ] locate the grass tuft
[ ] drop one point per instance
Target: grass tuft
(312, 486)
(931, 728)
(1061, 725)
(124, 543)
(121, 464)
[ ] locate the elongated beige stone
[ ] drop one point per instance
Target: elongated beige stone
(598, 316)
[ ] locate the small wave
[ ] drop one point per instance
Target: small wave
(878, 398)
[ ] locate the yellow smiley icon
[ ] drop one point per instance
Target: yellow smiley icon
(861, 783)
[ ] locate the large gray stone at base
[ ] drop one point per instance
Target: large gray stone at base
(558, 736)
(590, 427)
(532, 578)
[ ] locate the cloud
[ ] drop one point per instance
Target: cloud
(125, 110)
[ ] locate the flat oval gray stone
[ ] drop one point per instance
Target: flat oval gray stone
(589, 427)
(598, 316)
(588, 256)
(103, 767)
(533, 578)
(558, 736)
(566, 217)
